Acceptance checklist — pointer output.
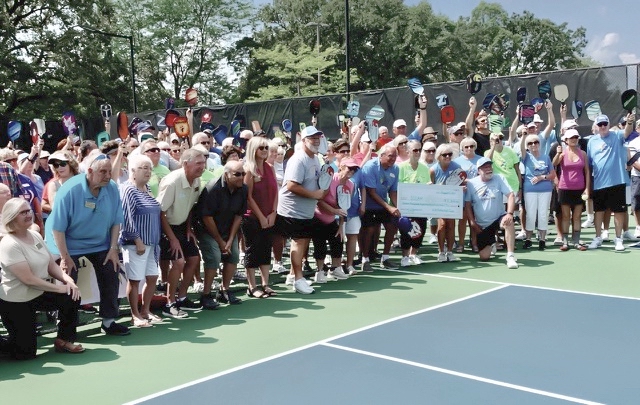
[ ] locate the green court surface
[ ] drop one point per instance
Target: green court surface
(116, 370)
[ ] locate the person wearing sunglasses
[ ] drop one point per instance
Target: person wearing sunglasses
(444, 172)
(537, 186)
(221, 206)
(468, 162)
(607, 156)
(117, 152)
(213, 159)
(64, 167)
(415, 172)
(401, 143)
(480, 124)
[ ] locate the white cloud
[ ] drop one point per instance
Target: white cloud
(602, 49)
(629, 58)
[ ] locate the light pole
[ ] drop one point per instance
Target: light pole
(317, 25)
(347, 45)
(133, 68)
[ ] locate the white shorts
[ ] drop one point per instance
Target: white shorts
(139, 266)
(353, 225)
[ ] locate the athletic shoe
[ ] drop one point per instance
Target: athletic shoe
(240, 276)
(637, 232)
(432, 239)
(451, 257)
(415, 259)
(588, 223)
(626, 235)
(351, 270)
(208, 301)
(542, 245)
(228, 297)
(388, 264)
(511, 262)
(116, 329)
(595, 243)
(366, 267)
(527, 244)
(558, 241)
(290, 279)
(338, 273)
(278, 268)
(494, 249)
(605, 235)
(188, 305)
(619, 245)
(302, 287)
(521, 235)
(320, 277)
(442, 257)
(405, 262)
(173, 311)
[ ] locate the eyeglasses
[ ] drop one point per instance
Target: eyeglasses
(25, 212)
(152, 150)
(533, 143)
(602, 124)
(238, 174)
(447, 154)
(469, 147)
(56, 163)
(205, 143)
(263, 147)
(415, 150)
(344, 151)
(430, 150)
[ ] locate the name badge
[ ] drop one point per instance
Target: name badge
(38, 245)
(90, 204)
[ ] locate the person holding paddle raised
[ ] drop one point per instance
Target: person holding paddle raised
(481, 124)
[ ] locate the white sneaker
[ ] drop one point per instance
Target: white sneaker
(494, 249)
(595, 243)
(626, 235)
(290, 279)
(637, 232)
(511, 262)
(588, 223)
(320, 277)
(279, 268)
(338, 273)
(521, 235)
(619, 245)
(451, 257)
(432, 239)
(442, 257)
(558, 241)
(351, 270)
(196, 288)
(405, 262)
(415, 259)
(302, 286)
(605, 235)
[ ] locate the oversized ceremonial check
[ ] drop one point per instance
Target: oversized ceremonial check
(430, 201)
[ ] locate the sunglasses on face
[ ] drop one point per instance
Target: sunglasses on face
(353, 168)
(430, 150)
(152, 150)
(602, 124)
(167, 149)
(403, 143)
(57, 164)
(263, 147)
(447, 155)
(458, 133)
(175, 150)
(469, 147)
(205, 143)
(344, 151)
(175, 142)
(533, 143)
(416, 150)
(238, 174)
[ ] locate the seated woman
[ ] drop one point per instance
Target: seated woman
(26, 264)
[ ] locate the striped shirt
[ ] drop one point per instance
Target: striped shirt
(141, 216)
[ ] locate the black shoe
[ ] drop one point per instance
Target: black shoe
(542, 245)
(208, 301)
(527, 244)
(375, 256)
(388, 264)
(357, 262)
(162, 287)
(188, 305)
(227, 297)
(116, 330)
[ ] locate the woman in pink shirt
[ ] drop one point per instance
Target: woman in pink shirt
(573, 186)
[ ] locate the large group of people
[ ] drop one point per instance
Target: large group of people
(154, 207)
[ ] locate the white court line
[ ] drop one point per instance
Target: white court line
(464, 375)
(298, 349)
(515, 284)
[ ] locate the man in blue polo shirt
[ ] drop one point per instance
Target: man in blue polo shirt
(607, 157)
(85, 221)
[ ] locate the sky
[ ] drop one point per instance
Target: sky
(612, 26)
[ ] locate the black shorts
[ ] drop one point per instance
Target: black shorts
(258, 243)
(295, 228)
(189, 248)
(635, 193)
(375, 217)
(613, 198)
(570, 197)
(488, 235)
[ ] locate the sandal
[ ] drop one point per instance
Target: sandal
(580, 246)
(459, 249)
(256, 293)
(475, 249)
(564, 247)
(153, 318)
(140, 322)
(62, 346)
(269, 292)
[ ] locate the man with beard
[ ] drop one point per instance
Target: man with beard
(485, 209)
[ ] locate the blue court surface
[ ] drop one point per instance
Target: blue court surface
(509, 345)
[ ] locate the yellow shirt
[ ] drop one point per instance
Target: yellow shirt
(177, 196)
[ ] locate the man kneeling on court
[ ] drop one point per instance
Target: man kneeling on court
(484, 207)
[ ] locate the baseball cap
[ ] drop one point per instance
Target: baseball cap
(536, 118)
(349, 162)
(428, 145)
(531, 125)
(483, 161)
(399, 123)
(520, 129)
(601, 118)
(22, 156)
(454, 129)
(570, 133)
(310, 131)
(569, 124)
(58, 155)
(44, 154)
